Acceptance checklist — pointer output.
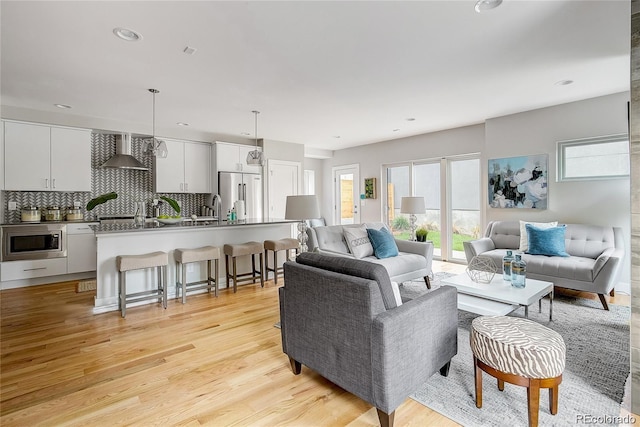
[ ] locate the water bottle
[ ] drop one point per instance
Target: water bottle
(233, 214)
(518, 272)
(506, 266)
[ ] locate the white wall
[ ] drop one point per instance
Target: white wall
(601, 202)
(469, 139)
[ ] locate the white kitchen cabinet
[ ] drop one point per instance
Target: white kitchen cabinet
(45, 158)
(81, 248)
(29, 269)
(186, 169)
(233, 158)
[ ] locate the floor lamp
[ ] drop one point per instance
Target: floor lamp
(412, 206)
(302, 208)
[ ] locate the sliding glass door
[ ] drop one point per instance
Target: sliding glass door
(451, 190)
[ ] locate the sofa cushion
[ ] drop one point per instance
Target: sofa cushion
(572, 268)
(384, 245)
(398, 265)
(353, 267)
(546, 241)
(524, 239)
(358, 241)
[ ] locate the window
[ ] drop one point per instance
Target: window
(593, 158)
(451, 190)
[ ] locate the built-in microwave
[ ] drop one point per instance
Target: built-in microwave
(36, 241)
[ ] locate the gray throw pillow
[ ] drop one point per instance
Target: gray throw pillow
(358, 241)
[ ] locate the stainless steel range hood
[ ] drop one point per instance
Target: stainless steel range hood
(123, 158)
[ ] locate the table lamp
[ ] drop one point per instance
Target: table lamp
(412, 206)
(302, 208)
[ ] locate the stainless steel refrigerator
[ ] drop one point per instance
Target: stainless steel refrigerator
(234, 186)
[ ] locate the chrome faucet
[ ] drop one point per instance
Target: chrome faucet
(217, 203)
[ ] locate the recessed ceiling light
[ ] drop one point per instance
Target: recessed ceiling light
(396, 130)
(484, 5)
(127, 34)
(245, 134)
(336, 136)
(182, 124)
(563, 82)
(410, 119)
(63, 106)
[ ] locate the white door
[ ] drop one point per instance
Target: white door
(283, 177)
(27, 157)
(197, 167)
(70, 159)
(346, 194)
(170, 170)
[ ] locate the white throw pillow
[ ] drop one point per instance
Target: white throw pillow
(524, 239)
(396, 293)
(358, 241)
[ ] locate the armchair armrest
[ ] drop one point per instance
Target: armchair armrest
(476, 247)
(412, 342)
(420, 248)
(607, 267)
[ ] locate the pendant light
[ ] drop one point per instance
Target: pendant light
(255, 157)
(152, 146)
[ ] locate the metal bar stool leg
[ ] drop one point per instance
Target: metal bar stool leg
(261, 270)
(217, 278)
(235, 277)
(184, 283)
(123, 294)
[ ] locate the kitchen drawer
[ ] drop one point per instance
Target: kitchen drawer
(80, 228)
(15, 270)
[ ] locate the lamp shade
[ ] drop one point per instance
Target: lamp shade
(302, 207)
(412, 205)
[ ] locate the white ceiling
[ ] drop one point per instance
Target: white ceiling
(315, 70)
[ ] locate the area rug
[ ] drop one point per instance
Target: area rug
(593, 380)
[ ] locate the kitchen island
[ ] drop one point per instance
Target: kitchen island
(130, 239)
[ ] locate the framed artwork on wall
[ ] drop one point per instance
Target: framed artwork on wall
(369, 188)
(519, 182)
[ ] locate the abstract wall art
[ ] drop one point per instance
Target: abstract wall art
(519, 182)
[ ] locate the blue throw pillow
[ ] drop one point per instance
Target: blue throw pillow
(546, 241)
(384, 246)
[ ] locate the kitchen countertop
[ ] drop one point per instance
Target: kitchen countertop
(8, 224)
(185, 225)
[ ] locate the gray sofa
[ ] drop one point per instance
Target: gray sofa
(414, 260)
(596, 254)
(339, 318)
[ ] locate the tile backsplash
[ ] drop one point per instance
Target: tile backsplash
(131, 186)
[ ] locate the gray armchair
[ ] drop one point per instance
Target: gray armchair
(339, 318)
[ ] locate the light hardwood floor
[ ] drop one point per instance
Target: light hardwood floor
(215, 361)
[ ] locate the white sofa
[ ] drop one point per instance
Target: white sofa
(413, 261)
(596, 254)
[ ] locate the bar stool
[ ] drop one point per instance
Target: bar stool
(243, 249)
(275, 246)
(157, 260)
(186, 256)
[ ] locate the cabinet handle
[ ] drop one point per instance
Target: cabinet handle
(181, 187)
(33, 269)
(186, 186)
(46, 183)
(53, 183)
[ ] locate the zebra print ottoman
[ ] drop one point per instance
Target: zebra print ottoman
(520, 352)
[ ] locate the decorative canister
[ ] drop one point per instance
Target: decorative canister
(74, 214)
(30, 214)
(53, 213)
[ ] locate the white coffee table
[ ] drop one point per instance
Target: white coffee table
(499, 298)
